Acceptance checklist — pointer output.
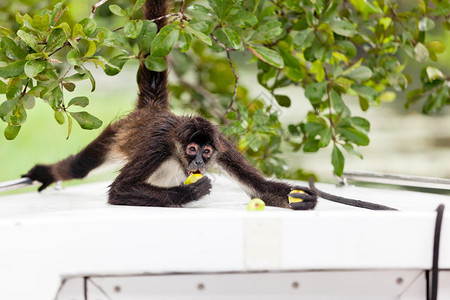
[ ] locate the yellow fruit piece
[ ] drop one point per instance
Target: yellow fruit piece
(256, 204)
(194, 177)
(295, 200)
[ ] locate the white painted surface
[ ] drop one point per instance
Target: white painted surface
(73, 232)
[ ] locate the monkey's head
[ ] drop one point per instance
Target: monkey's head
(198, 140)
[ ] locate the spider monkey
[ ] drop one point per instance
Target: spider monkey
(157, 145)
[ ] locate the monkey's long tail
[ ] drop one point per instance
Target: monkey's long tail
(153, 86)
(347, 201)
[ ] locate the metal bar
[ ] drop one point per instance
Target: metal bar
(15, 184)
(394, 179)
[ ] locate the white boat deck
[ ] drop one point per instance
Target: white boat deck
(72, 233)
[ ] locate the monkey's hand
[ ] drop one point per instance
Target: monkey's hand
(193, 191)
(303, 198)
(41, 173)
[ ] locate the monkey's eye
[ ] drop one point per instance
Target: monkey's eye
(207, 151)
(191, 149)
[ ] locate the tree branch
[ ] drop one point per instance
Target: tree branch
(95, 6)
(236, 76)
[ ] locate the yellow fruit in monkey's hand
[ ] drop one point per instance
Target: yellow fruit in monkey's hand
(256, 204)
(293, 199)
(194, 177)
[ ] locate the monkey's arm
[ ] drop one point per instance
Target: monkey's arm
(131, 188)
(274, 193)
(75, 166)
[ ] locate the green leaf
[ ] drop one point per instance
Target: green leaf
(421, 53)
(268, 31)
(41, 22)
(364, 91)
(336, 101)
(361, 73)
(92, 48)
(304, 39)
(354, 135)
(70, 86)
(145, 38)
(198, 11)
(388, 96)
(434, 73)
(13, 88)
(133, 28)
(315, 92)
(243, 16)
(267, 55)
(165, 40)
(337, 160)
(437, 100)
(200, 35)
(69, 125)
(283, 100)
(7, 106)
(73, 57)
(157, 64)
(56, 98)
(233, 37)
(426, 24)
(435, 46)
(360, 123)
(86, 120)
(89, 26)
(184, 44)
(13, 69)
(350, 150)
(117, 10)
(3, 87)
(56, 39)
(34, 67)
(11, 131)
(79, 101)
(363, 103)
(12, 50)
(295, 74)
(344, 28)
(28, 38)
(77, 31)
(59, 117)
(115, 65)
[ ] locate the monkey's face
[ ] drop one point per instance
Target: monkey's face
(198, 156)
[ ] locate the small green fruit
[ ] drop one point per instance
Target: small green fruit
(194, 177)
(256, 204)
(295, 200)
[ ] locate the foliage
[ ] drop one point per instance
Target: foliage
(330, 48)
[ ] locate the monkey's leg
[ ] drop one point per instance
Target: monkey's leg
(75, 166)
(130, 187)
(274, 193)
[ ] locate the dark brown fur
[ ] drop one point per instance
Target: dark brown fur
(151, 136)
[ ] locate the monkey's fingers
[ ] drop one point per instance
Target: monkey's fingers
(303, 205)
(303, 188)
(41, 173)
(303, 196)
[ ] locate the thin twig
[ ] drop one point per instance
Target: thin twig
(236, 76)
(65, 44)
(394, 14)
(95, 6)
(236, 81)
(182, 13)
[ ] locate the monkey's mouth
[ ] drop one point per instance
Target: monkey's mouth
(196, 171)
